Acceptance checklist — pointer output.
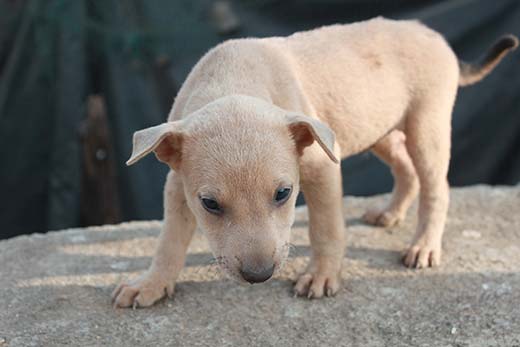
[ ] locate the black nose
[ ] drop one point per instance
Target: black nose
(257, 276)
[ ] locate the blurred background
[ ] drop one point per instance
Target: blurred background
(78, 77)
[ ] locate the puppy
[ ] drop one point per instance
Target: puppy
(258, 120)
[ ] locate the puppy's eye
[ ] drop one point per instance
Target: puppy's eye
(282, 195)
(211, 205)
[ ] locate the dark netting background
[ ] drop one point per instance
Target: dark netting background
(136, 54)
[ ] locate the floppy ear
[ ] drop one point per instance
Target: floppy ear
(165, 140)
(305, 130)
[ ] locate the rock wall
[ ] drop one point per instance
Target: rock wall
(55, 288)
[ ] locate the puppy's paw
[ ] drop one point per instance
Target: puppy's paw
(144, 291)
(382, 217)
(321, 279)
(422, 254)
(316, 285)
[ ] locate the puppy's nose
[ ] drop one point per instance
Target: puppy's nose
(257, 275)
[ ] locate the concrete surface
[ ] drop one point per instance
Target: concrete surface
(55, 288)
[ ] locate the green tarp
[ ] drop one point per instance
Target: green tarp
(55, 53)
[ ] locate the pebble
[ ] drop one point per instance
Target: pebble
(77, 238)
(472, 234)
(292, 312)
(122, 265)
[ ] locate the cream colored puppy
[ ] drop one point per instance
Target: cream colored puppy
(258, 119)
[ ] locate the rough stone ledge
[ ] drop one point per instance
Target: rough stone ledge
(54, 288)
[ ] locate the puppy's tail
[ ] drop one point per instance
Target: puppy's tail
(471, 73)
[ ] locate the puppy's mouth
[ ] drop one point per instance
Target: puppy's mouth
(228, 269)
(233, 268)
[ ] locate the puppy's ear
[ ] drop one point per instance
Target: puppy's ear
(305, 130)
(165, 140)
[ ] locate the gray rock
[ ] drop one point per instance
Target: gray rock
(55, 288)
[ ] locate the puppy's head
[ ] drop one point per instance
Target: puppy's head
(238, 158)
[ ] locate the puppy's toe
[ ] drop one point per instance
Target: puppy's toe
(382, 217)
(302, 285)
(125, 296)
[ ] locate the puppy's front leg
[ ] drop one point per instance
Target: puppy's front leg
(321, 186)
(159, 279)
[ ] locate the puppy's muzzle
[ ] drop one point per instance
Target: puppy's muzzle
(257, 274)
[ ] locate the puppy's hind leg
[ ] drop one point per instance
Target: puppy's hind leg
(428, 129)
(321, 186)
(392, 150)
